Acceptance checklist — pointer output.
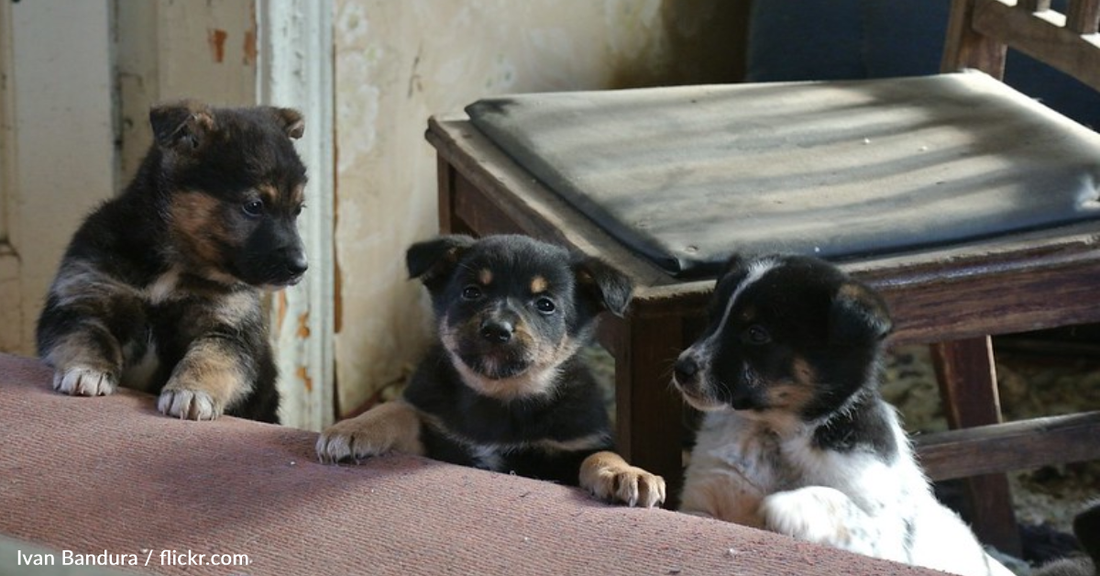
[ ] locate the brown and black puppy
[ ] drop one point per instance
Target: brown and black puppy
(504, 388)
(1086, 526)
(159, 289)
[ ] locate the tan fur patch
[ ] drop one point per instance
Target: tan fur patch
(793, 396)
(198, 229)
(389, 426)
(539, 378)
(790, 397)
(804, 372)
(485, 276)
(859, 293)
(211, 375)
(269, 194)
(715, 496)
(539, 285)
(236, 308)
(608, 476)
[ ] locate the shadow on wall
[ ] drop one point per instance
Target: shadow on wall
(706, 44)
(850, 39)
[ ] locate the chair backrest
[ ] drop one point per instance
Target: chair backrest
(979, 32)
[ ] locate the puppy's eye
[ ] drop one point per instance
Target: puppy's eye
(757, 335)
(253, 208)
(298, 209)
(471, 293)
(545, 305)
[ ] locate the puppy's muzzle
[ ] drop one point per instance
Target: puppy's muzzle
(294, 262)
(497, 331)
(686, 371)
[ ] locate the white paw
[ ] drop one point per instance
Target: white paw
(84, 381)
(818, 514)
(188, 404)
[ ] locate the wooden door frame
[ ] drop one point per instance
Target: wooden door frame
(295, 69)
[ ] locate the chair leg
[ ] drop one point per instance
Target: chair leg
(968, 390)
(647, 411)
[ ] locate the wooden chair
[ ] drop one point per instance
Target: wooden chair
(972, 208)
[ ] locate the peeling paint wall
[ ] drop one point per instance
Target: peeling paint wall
(399, 62)
(172, 50)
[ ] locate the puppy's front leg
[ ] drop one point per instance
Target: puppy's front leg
(87, 320)
(388, 426)
(608, 476)
(823, 515)
(213, 374)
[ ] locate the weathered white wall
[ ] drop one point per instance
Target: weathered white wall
(399, 62)
(172, 50)
(58, 132)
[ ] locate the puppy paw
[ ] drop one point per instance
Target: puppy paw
(608, 476)
(188, 404)
(84, 381)
(386, 427)
(822, 515)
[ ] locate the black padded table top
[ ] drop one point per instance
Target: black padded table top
(686, 176)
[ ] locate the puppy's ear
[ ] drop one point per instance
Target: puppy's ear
(598, 281)
(858, 312)
(291, 120)
(735, 263)
(432, 261)
(182, 126)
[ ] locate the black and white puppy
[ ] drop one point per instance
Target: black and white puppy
(503, 388)
(796, 438)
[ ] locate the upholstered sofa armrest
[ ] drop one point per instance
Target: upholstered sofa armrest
(112, 478)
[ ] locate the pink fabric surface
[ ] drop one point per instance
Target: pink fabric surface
(111, 474)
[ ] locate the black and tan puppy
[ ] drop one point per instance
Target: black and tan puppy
(503, 388)
(159, 289)
(1086, 527)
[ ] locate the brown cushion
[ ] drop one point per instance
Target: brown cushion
(687, 175)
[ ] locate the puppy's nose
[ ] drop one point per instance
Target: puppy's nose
(296, 263)
(686, 368)
(498, 331)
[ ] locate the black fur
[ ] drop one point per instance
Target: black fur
(483, 298)
(805, 324)
(178, 260)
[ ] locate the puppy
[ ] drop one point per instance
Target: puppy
(160, 288)
(503, 387)
(795, 437)
(1086, 527)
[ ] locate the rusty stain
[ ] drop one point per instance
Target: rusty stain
(216, 37)
(303, 326)
(250, 48)
(250, 37)
(337, 301)
(280, 309)
(303, 375)
(338, 274)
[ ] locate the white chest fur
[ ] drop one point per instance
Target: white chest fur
(768, 473)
